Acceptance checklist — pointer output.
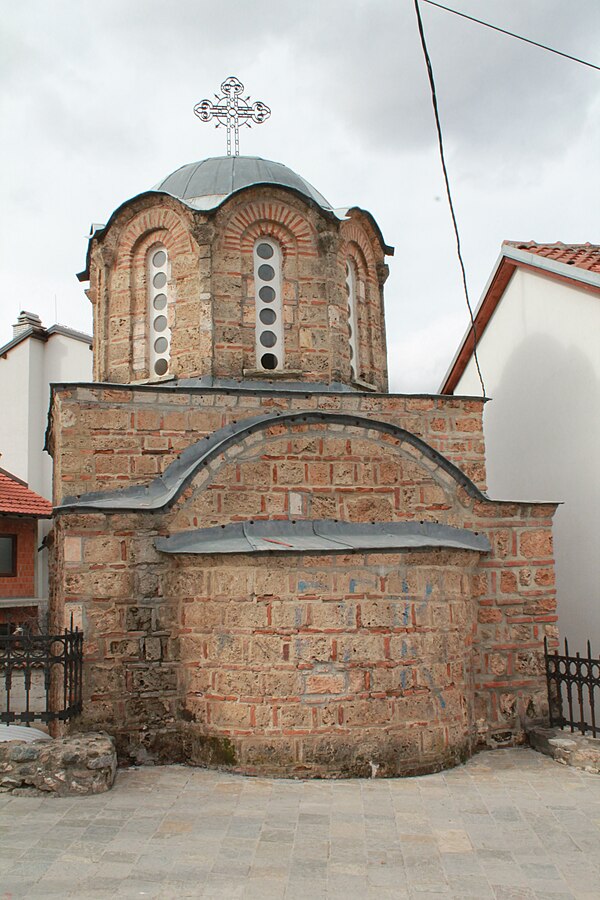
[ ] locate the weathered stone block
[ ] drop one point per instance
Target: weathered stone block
(71, 766)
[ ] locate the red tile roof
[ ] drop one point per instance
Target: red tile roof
(579, 256)
(16, 499)
(584, 256)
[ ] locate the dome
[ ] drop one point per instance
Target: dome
(206, 184)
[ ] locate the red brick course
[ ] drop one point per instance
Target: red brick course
(288, 663)
(211, 294)
(104, 438)
(297, 663)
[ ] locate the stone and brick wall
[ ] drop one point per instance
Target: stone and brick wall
(309, 664)
(211, 310)
(291, 663)
(104, 438)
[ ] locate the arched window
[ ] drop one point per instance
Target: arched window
(352, 291)
(269, 305)
(159, 333)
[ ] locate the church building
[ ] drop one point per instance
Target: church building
(280, 567)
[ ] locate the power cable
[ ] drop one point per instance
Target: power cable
(448, 192)
(519, 37)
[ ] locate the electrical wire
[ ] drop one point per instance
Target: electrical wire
(448, 192)
(519, 37)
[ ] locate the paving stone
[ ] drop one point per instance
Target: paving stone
(509, 825)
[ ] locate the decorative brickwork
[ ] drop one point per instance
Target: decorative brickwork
(211, 290)
(302, 661)
(322, 664)
(103, 438)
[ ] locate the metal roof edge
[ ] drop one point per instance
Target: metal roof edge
(65, 331)
(387, 248)
(164, 490)
(519, 257)
(29, 332)
(467, 333)
(245, 386)
(321, 535)
(84, 275)
(43, 334)
(545, 263)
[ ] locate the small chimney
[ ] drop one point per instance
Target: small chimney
(25, 321)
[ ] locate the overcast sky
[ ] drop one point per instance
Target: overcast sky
(96, 104)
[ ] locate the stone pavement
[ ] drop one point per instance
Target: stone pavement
(510, 824)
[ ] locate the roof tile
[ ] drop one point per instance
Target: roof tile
(17, 499)
(584, 256)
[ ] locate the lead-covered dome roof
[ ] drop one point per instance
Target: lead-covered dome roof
(206, 184)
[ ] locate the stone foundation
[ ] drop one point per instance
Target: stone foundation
(575, 750)
(71, 766)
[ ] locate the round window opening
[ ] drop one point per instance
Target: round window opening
(268, 339)
(266, 294)
(267, 273)
(268, 361)
(160, 301)
(265, 251)
(161, 345)
(160, 323)
(267, 316)
(161, 366)
(159, 259)
(159, 280)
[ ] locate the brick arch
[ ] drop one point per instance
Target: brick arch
(282, 220)
(351, 234)
(165, 490)
(352, 250)
(173, 228)
(264, 228)
(146, 241)
(317, 471)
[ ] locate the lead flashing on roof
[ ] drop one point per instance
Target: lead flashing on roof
(100, 231)
(208, 383)
(162, 492)
(321, 536)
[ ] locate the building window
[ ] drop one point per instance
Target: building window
(269, 305)
(8, 555)
(351, 290)
(159, 331)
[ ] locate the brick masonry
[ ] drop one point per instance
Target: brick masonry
(321, 664)
(23, 583)
(324, 664)
(103, 438)
(211, 292)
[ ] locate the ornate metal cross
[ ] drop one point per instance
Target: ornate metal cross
(232, 111)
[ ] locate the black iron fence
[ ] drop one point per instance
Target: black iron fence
(572, 683)
(40, 676)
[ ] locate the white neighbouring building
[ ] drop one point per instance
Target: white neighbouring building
(538, 344)
(30, 362)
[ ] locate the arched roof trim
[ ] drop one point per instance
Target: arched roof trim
(163, 492)
(99, 232)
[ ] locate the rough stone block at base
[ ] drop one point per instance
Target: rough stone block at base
(71, 766)
(575, 750)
